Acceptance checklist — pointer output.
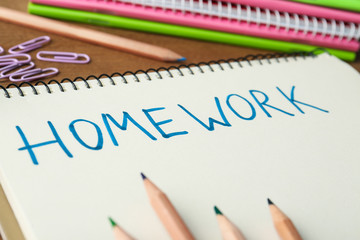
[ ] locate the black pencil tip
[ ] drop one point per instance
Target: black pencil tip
(143, 176)
(270, 202)
(217, 211)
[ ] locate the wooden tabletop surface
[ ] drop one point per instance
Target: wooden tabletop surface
(104, 60)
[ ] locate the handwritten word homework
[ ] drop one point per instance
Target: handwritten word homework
(258, 99)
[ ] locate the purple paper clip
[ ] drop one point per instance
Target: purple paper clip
(7, 62)
(33, 74)
(13, 58)
(30, 45)
(1, 50)
(66, 57)
(4, 72)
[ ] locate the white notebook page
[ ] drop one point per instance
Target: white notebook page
(79, 168)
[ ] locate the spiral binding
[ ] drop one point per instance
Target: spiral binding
(259, 16)
(159, 71)
(239, 12)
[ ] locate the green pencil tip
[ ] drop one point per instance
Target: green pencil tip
(217, 211)
(113, 223)
(181, 59)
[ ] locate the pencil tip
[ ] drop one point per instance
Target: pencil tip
(113, 223)
(182, 59)
(143, 176)
(217, 211)
(270, 202)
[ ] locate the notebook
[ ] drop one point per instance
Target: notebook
(227, 133)
(286, 21)
(177, 30)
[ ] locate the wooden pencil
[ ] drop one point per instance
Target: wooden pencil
(228, 230)
(119, 233)
(283, 224)
(88, 35)
(166, 212)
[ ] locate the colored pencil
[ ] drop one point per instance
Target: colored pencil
(88, 35)
(166, 212)
(283, 224)
(119, 233)
(228, 230)
(179, 31)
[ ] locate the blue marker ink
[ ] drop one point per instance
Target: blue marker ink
(211, 126)
(123, 126)
(157, 124)
(293, 101)
(264, 103)
(100, 142)
(253, 112)
(29, 147)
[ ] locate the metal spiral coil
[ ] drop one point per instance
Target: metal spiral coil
(247, 59)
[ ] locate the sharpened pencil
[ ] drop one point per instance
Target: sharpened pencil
(88, 35)
(283, 224)
(119, 233)
(166, 212)
(228, 230)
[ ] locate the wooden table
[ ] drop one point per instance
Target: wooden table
(104, 60)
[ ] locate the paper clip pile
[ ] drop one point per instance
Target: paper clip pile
(18, 67)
